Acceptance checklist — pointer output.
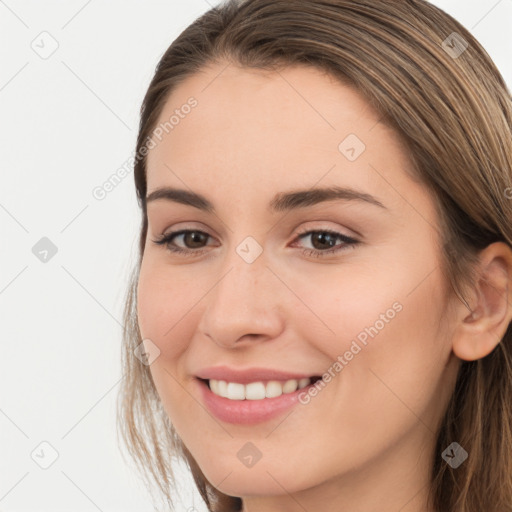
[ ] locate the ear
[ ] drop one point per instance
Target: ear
(479, 331)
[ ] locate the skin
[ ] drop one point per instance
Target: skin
(365, 442)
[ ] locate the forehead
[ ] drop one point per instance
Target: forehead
(252, 130)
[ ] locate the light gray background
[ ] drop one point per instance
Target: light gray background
(68, 122)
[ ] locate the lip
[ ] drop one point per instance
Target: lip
(247, 412)
(249, 375)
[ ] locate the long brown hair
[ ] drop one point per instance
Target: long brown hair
(453, 111)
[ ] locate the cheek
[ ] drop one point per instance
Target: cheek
(393, 356)
(165, 312)
(403, 350)
(165, 304)
(352, 304)
(385, 321)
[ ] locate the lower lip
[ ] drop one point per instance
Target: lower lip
(248, 412)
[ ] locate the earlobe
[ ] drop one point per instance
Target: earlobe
(478, 332)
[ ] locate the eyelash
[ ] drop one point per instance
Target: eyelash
(348, 242)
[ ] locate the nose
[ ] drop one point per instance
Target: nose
(244, 305)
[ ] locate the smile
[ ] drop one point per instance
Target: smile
(256, 390)
(244, 403)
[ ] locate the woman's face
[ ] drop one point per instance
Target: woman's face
(270, 283)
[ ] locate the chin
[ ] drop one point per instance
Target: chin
(262, 479)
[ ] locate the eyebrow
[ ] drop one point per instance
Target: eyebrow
(281, 202)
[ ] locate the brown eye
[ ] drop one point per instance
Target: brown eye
(324, 242)
(192, 240)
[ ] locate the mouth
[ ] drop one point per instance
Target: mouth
(252, 394)
(248, 404)
(245, 403)
(257, 390)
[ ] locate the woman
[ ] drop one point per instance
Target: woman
(320, 314)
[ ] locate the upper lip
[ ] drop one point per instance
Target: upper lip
(248, 375)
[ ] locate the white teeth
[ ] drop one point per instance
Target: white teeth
(290, 386)
(304, 382)
(235, 391)
(222, 388)
(273, 389)
(214, 386)
(256, 390)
